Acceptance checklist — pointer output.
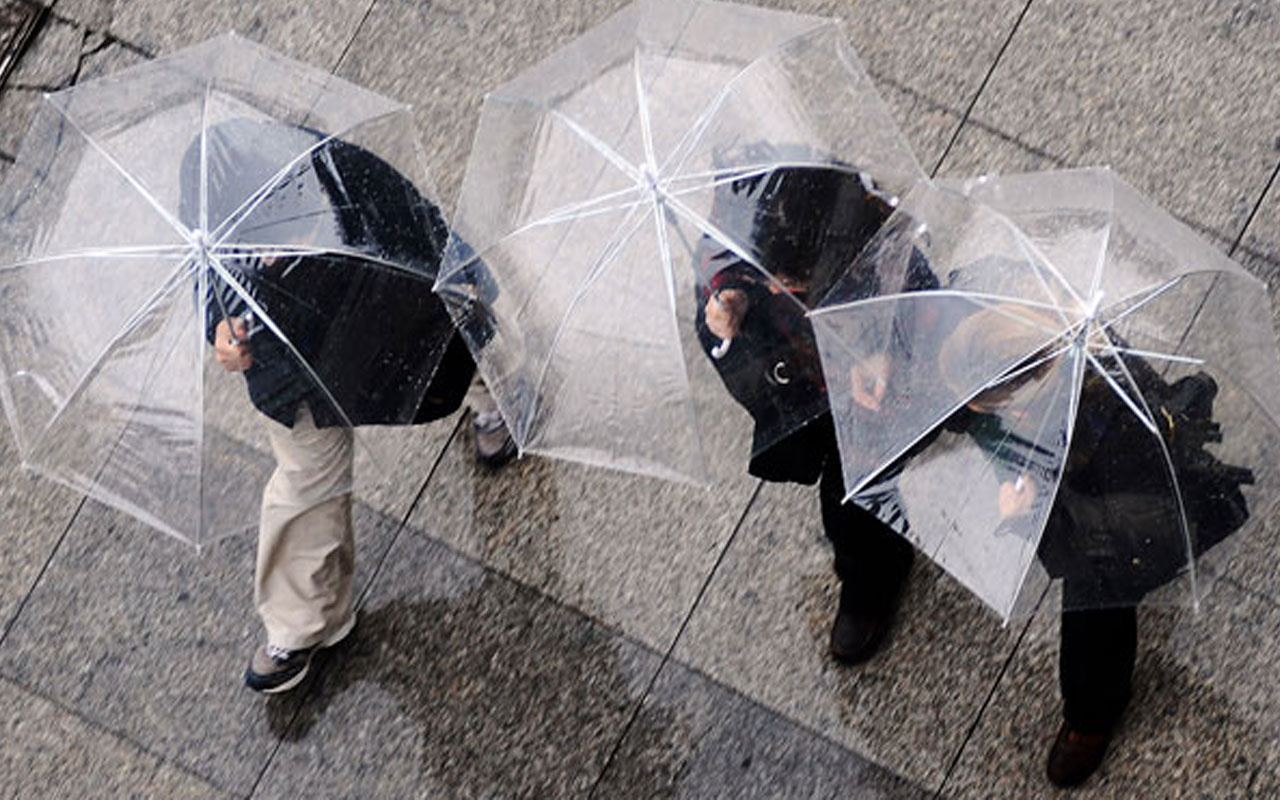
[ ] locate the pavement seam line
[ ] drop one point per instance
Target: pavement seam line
(17, 612)
(359, 27)
(955, 135)
(937, 105)
(56, 16)
(667, 657)
(107, 730)
(991, 693)
(413, 506)
(1266, 190)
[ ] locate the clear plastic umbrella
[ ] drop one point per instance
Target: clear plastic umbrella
(610, 181)
(1091, 393)
(223, 181)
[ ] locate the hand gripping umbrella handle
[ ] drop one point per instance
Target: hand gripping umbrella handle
(718, 352)
(249, 329)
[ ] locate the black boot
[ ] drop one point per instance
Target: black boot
(872, 561)
(866, 615)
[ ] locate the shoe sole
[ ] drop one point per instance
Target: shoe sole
(289, 684)
(341, 633)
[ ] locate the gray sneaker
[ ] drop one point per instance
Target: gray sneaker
(274, 669)
(494, 445)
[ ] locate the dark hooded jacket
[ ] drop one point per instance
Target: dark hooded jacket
(364, 320)
(805, 225)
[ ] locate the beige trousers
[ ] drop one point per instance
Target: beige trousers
(306, 544)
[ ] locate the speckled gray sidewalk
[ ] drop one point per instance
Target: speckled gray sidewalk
(552, 631)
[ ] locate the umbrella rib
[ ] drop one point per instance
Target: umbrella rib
(606, 258)
(1078, 364)
(710, 229)
(90, 486)
(202, 281)
(202, 321)
(1028, 367)
(204, 156)
(288, 251)
(1177, 489)
(173, 222)
(251, 203)
(556, 217)
(642, 103)
(101, 253)
(1000, 309)
(991, 468)
(723, 175)
(1143, 416)
(1163, 356)
(610, 155)
(574, 217)
(1034, 255)
(265, 318)
(664, 248)
(691, 137)
(170, 283)
(1074, 404)
(974, 297)
(928, 429)
(1155, 293)
(1106, 242)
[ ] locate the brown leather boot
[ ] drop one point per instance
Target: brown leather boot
(1075, 755)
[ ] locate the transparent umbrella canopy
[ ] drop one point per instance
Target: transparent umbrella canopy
(601, 178)
(148, 206)
(1090, 394)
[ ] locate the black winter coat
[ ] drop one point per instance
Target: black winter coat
(806, 226)
(361, 328)
(1114, 532)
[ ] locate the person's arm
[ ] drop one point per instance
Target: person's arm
(228, 325)
(870, 376)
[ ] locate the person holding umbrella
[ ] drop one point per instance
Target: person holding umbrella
(805, 224)
(190, 201)
(325, 343)
(1069, 404)
(1113, 532)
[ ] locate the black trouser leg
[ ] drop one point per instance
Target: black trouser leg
(872, 561)
(1095, 666)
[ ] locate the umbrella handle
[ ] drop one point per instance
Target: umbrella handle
(718, 352)
(249, 329)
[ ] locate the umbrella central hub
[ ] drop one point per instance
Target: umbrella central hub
(201, 241)
(649, 180)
